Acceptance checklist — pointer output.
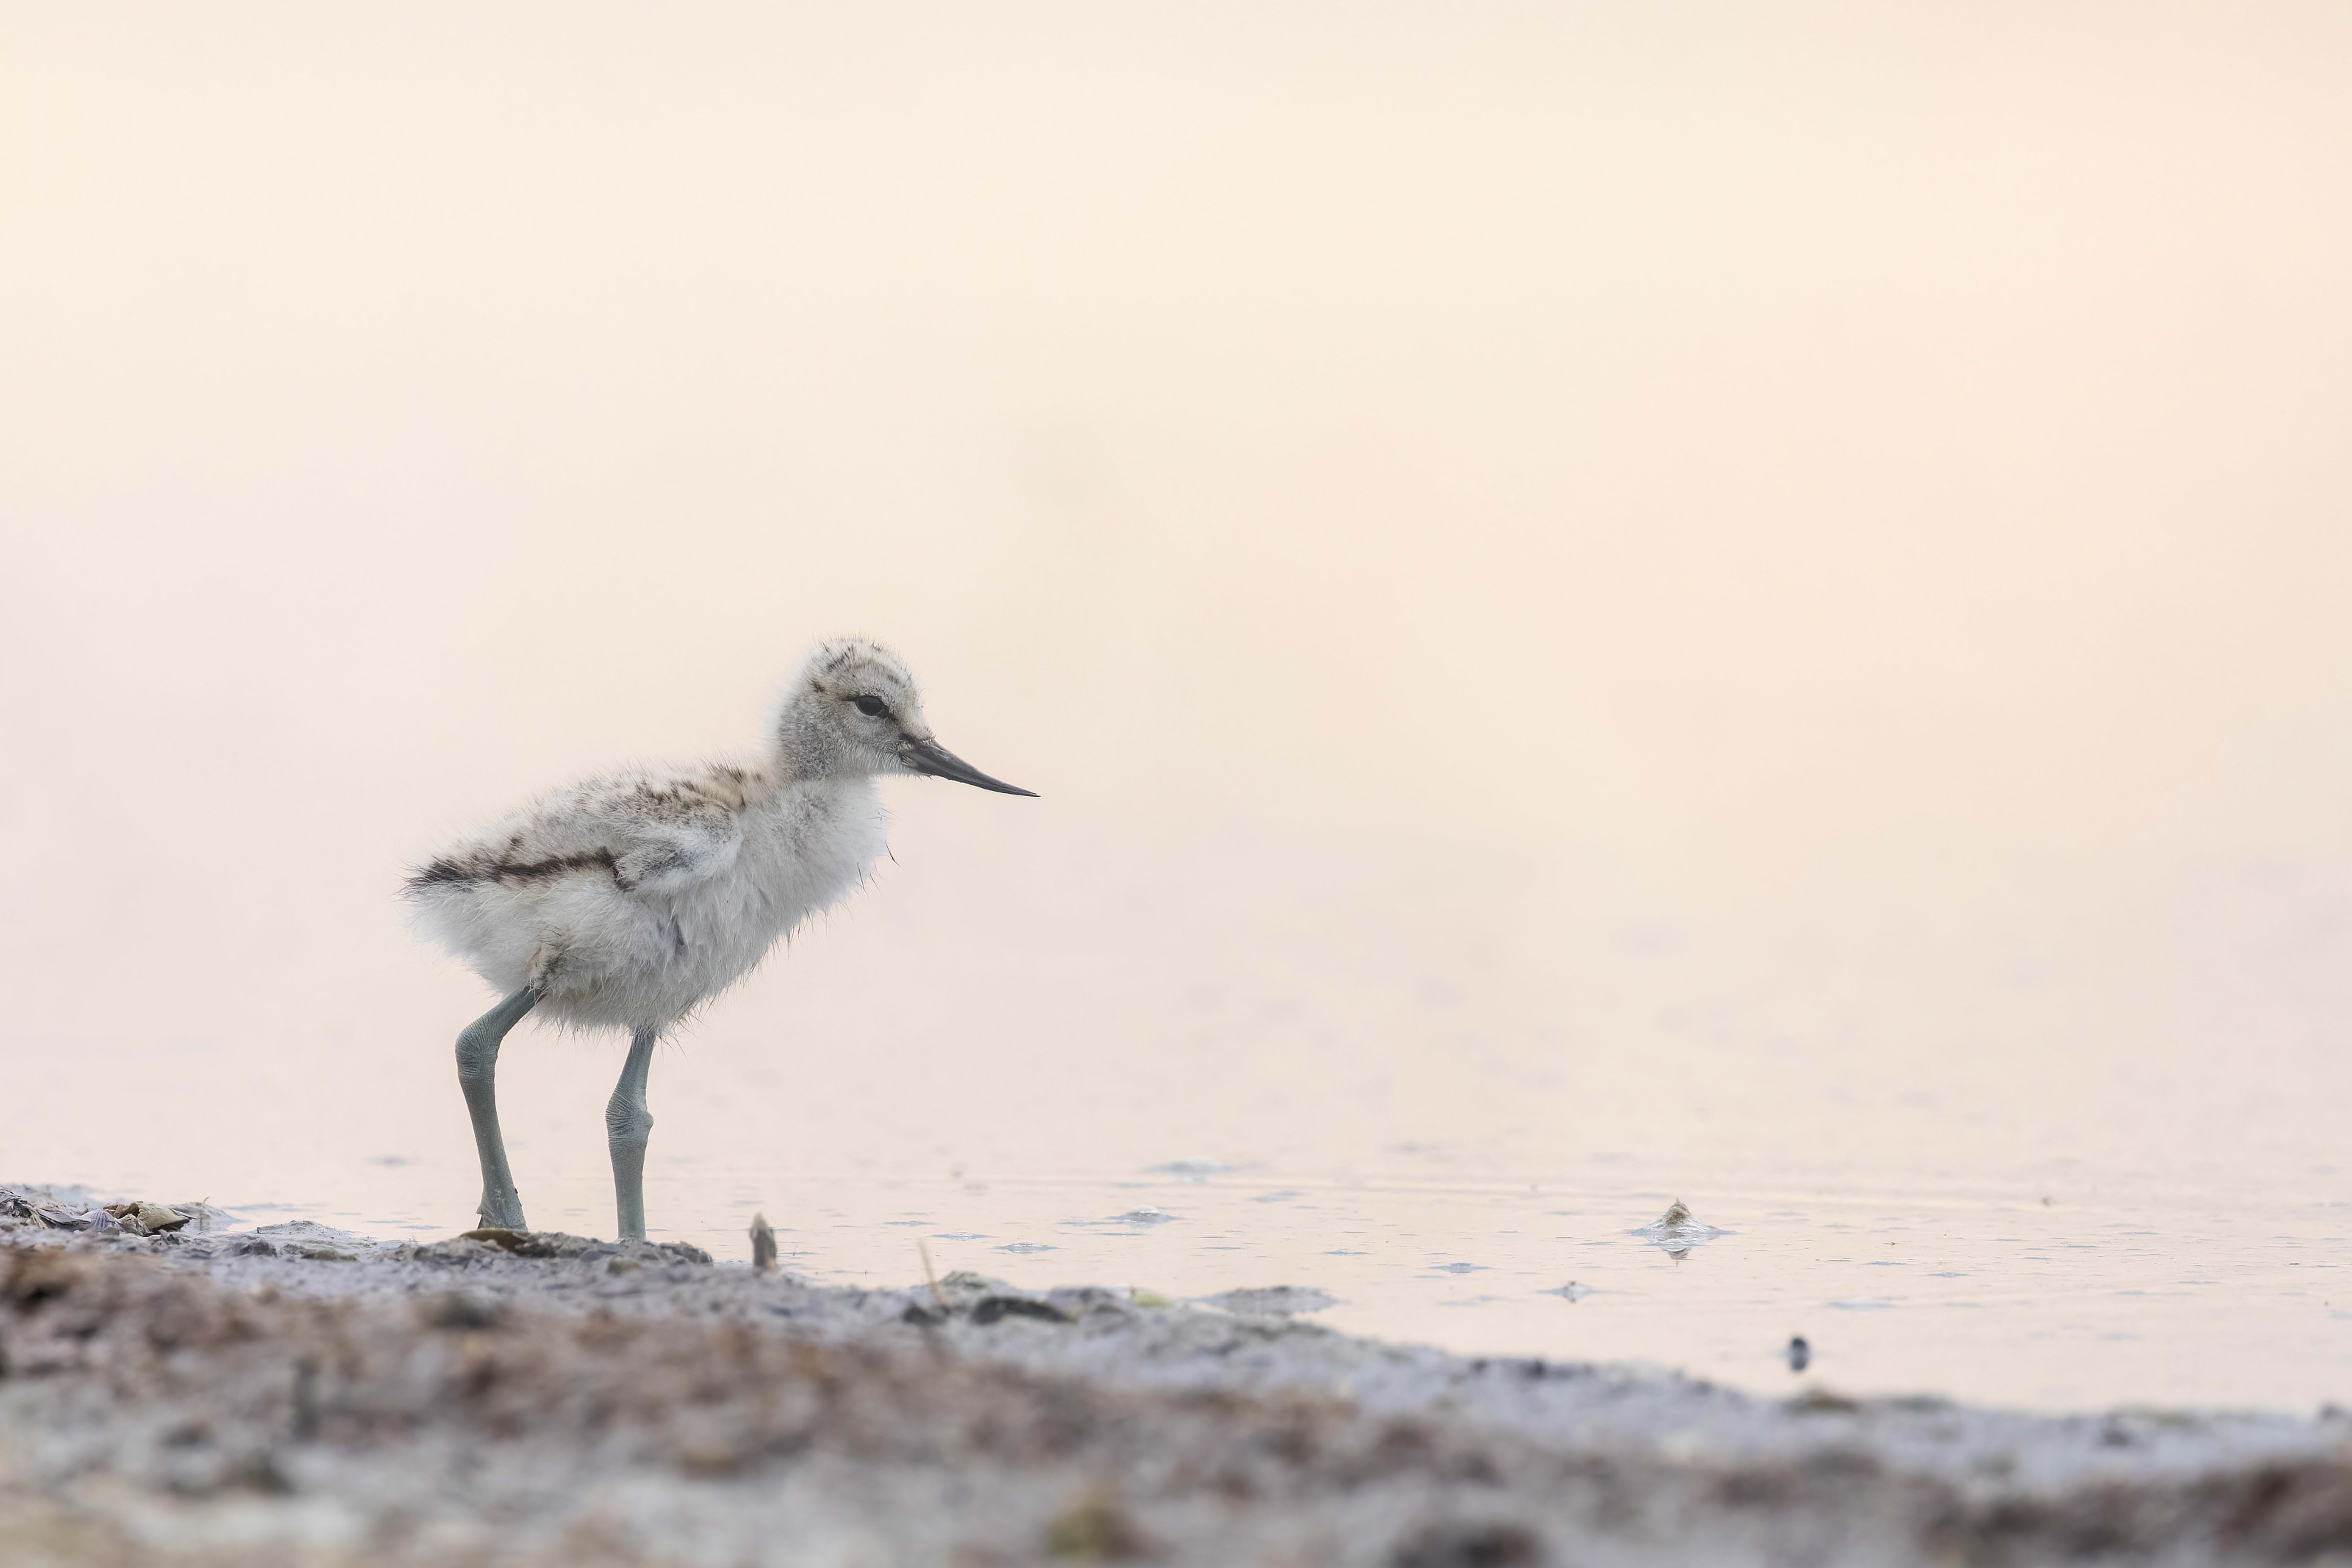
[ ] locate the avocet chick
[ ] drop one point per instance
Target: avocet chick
(628, 901)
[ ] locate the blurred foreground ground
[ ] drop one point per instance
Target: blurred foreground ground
(301, 1396)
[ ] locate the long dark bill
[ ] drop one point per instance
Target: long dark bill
(930, 757)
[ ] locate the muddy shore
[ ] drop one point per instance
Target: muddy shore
(294, 1394)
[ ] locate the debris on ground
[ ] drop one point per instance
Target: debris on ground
(216, 1399)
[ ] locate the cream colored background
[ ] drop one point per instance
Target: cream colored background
(1757, 591)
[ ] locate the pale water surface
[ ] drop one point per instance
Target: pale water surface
(2011, 1184)
(1606, 608)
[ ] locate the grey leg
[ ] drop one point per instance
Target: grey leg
(627, 1126)
(477, 1069)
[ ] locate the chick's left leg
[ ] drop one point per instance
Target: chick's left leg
(627, 1127)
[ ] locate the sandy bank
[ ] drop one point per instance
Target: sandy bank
(299, 1395)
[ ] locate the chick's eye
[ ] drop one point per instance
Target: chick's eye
(872, 707)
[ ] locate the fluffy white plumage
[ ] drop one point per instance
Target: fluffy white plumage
(629, 899)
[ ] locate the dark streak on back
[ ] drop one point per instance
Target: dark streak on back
(445, 873)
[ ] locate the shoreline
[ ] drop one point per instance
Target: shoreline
(296, 1394)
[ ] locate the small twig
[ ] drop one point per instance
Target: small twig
(930, 1279)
